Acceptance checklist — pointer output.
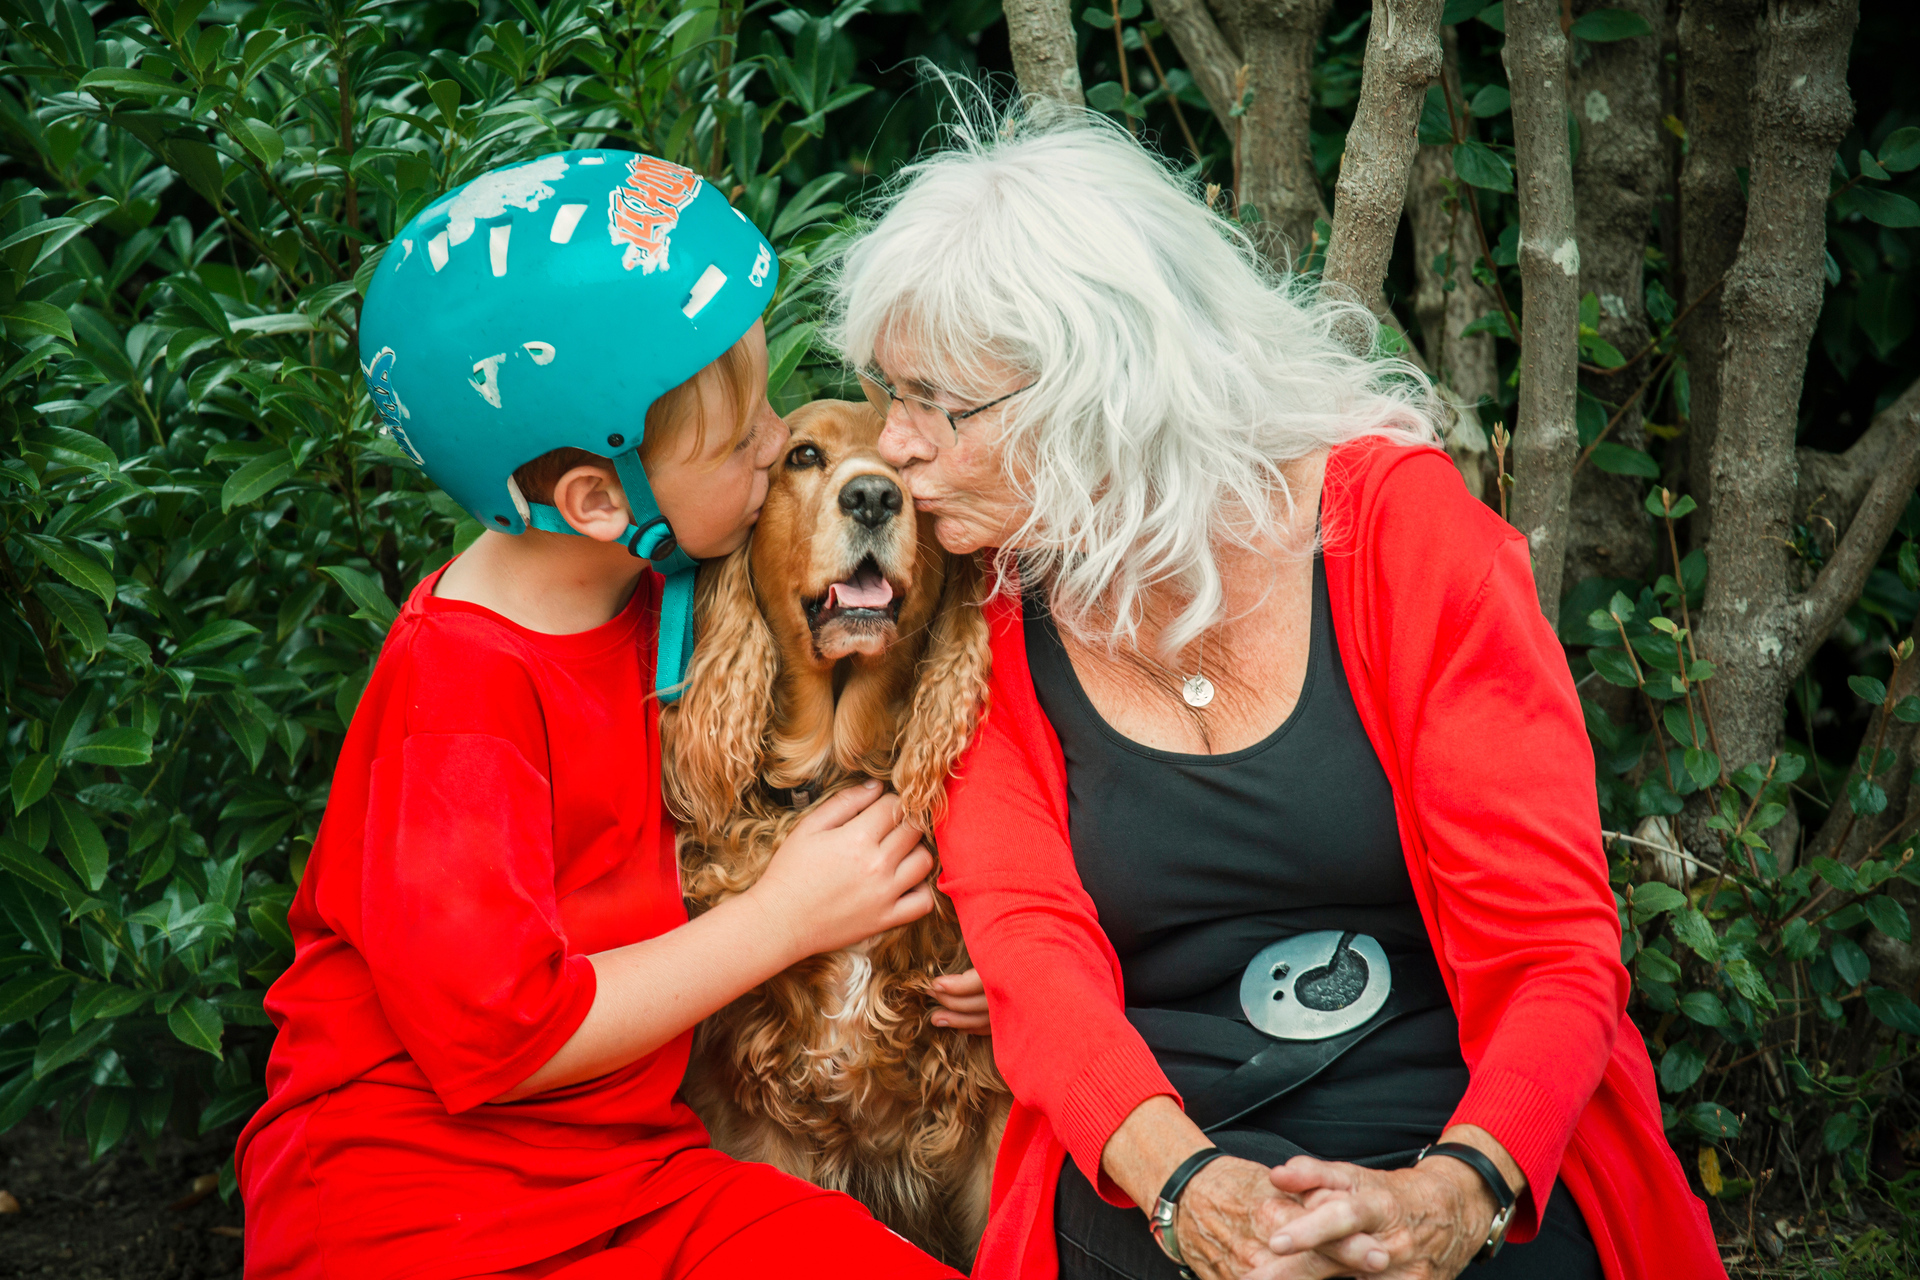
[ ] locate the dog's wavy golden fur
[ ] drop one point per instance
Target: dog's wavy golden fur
(842, 643)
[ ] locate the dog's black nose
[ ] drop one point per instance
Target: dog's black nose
(872, 500)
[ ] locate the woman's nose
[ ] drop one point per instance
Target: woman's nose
(901, 444)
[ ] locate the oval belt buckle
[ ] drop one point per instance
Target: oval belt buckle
(1315, 985)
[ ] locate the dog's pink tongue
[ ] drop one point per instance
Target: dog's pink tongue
(867, 590)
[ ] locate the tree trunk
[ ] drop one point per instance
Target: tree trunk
(1403, 58)
(1212, 60)
(1273, 155)
(1755, 628)
(1545, 442)
(1718, 41)
(1045, 60)
(1617, 177)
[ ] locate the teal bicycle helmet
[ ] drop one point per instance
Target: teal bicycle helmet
(546, 305)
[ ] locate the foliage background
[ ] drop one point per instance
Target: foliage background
(205, 537)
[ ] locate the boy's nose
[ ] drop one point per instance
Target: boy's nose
(872, 500)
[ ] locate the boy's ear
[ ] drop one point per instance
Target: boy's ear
(591, 500)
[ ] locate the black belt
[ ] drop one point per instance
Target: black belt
(1271, 1068)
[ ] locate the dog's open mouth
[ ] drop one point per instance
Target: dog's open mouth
(864, 597)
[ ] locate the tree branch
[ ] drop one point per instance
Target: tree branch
(1040, 36)
(1276, 39)
(1752, 627)
(1545, 440)
(1211, 59)
(1402, 59)
(1845, 575)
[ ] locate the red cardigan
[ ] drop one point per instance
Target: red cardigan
(1467, 699)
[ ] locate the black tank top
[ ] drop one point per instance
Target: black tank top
(1197, 862)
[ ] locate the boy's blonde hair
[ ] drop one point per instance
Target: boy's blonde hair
(677, 419)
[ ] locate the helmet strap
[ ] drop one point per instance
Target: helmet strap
(649, 538)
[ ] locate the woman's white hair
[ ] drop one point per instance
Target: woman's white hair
(1174, 374)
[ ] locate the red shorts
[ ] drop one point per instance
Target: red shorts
(750, 1221)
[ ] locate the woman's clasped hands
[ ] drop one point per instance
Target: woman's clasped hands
(1309, 1219)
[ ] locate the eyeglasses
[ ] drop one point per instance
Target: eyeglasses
(939, 426)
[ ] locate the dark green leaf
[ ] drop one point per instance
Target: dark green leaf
(1458, 11)
(1479, 166)
(77, 567)
(196, 1023)
(108, 1114)
(104, 1000)
(215, 635)
(76, 613)
(1696, 932)
(256, 479)
(1866, 796)
(1490, 102)
(59, 1046)
(24, 998)
(1614, 667)
(1703, 766)
(122, 748)
(1712, 1121)
(231, 1107)
(1894, 1008)
(365, 592)
(1840, 1131)
(1619, 460)
(1656, 966)
(35, 916)
(1653, 898)
(1889, 917)
(1800, 939)
(37, 871)
(32, 778)
(1600, 26)
(26, 320)
(1901, 151)
(1850, 962)
(1680, 1066)
(1884, 207)
(1705, 1008)
(78, 836)
(1867, 689)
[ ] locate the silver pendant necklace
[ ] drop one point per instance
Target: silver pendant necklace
(1198, 690)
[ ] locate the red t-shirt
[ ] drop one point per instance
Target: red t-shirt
(495, 818)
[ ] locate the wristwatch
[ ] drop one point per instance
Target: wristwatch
(1489, 1172)
(1160, 1221)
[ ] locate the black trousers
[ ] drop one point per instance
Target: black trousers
(1099, 1241)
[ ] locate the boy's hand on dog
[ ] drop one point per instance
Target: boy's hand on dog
(963, 1002)
(848, 870)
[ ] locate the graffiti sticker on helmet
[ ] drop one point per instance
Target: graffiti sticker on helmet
(386, 403)
(642, 213)
(488, 383)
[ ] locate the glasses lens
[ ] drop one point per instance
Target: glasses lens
(876, 393)
(930, 420)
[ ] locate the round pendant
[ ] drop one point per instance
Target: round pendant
(1198, 691)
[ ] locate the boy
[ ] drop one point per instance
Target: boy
(495, 982)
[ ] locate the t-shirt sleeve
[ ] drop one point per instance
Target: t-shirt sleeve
(460, 923)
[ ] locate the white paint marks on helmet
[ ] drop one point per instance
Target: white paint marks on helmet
(761, 261)
(523, 186)
(437, 251)
(542, 352)
(488, 383)
(703, 290)
(565, 219)
(519, 501)
(406, 251)
(497, 237)
(593, 159)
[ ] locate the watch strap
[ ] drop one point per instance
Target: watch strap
(1160, 1221)
(1503, 1197)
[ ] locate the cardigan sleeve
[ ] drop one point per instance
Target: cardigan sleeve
(1500, 777)
(1060, 1033)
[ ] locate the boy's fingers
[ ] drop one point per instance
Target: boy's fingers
(971, 1023)
(876, 819)
(969, 983)
(961, 1004)
(900, 841)
(840, 807)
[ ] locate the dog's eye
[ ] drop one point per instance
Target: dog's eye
(805, 456)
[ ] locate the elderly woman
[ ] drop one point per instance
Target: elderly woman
(1278, 850)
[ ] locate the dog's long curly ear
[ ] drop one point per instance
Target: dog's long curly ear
(949, 695)
(712, 740)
